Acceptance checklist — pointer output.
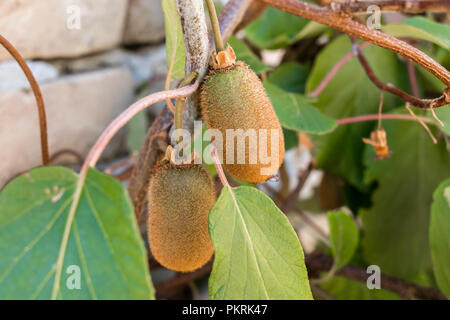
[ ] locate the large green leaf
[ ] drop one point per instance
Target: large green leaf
(257, 252)
(348, 94)
(244, 54)
(295, 113)
(440, 236)
(104, 241)
(344, 236)
(421, 28)
(396, 227)
(275, 29)
(175, 53)
(443, 114)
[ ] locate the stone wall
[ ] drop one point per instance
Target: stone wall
(89, 57)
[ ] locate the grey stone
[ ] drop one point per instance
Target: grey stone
(12, 77)
(145, 22)
(50, 28)
(79, 107)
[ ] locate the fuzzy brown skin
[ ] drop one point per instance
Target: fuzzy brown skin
(180, 198)
(234, 98)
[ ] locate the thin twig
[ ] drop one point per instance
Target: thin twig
(380, 109)
(409, 6)
(37, 95)
(421, 123)
(330, 75)
(62, 152)
(412, 78)
(219, 168)
(375, 117)
(127, 115)
(389, 87)
(322, 234)
(345, 23)
(290, 200)
(318, 262)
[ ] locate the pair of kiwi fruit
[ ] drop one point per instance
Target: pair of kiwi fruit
(180, 196)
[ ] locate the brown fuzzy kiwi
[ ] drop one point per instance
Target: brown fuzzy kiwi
(233, 97)
(180, 198)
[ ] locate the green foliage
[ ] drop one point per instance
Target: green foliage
(290, 77)
(258, 254)
(244, 54)
(295, 113)
(443, 114)
(104, 240)
(345, 289)
(440, 236)
(175, 52)
(137, 130)
(344, 236)
(348, 94)
(290, 139)
(421, 28)
(396, 226)
(275, 29)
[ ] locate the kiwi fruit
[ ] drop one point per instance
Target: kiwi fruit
(233, 97)
(180, 197)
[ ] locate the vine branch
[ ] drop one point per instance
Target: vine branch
(231, 16)
(335, 70)
(389, 87)
(410, 6)
(37, 95)
(318, 262)
(344, 23)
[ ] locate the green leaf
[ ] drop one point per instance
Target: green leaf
(244, 54)
(443, 113)
(396, 227)
(294, 111)
(344, 236)
(440, 236)
(290, 76)
(351, 93)
(137, 130)
(345, 289)
(174, 40)
(421, 28)
(104, 240)
(312, 29)
(275, 29)
(290, 139)
(258, 254)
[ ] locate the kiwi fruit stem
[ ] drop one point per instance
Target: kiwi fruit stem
(215, 25)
